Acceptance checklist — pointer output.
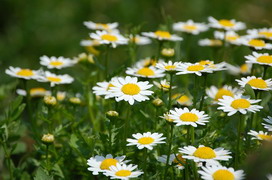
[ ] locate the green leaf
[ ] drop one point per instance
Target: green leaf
(42, 175)
(73, 141)
(249, 91)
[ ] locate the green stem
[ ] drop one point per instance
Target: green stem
(110, 136)
(7, 155)
(107, 59)
(192, 135)
(170, 91)
(47, 159)
(264, 72)
(169, 149)
(126, 126)
(239, 137)
(144, 165)
(254, 120)
(159, 49)
(188, 135)
(195, 92)
(203, 92)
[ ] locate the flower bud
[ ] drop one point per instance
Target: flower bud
(167, 117)
(168, 52)
(112, 114)
(157, 102)
(50, 100)
(48, 138)
(75, 100)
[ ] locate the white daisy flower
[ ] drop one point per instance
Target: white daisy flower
(238, 103)
(269, 176)
(210, 42)
(211, 65)
(236, 70)
(139, 40)
(169, 66)
(188, 117)
(226, 24)
(54, 79)
(190, 27)
(256, 83)
(56, 62)
(99, 164)
(146, 62)
(196, 68)
(218, 93)
(261, 33)
(230, 36)
(162, 35)
(262, 59)
(219, 172)
(61, 95)
(111, 38)
(205, 154)
(255, 43)
(102, 88)
(89, 42)
(269, 121)
(182, 99)
(260, 135)
(100, 26)
(146, 72)
(146, 140)
(23, 73)
(166, 117)
(123, 171)
(163, 85)
(34, 92)
(129, 89)
(173, 160)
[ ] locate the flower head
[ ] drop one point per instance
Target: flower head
(176, 160)
(102, 88)
(265, 33)
(226, 24)
(123, 171)
(162, 35)
(269, 121)
(256, 83)
(163, 85)
(101, 26)
(48, 138)
(236, 70)
(218, 93)
(56, 62)
(146, 140)
(190, 27)
(139, 40)
(210, 42)
(169, 66)
(255, 43)
(23, 73)
(258, 58)
(230, 36)
(196, 68)
(260, 135)
(146, 72)
(54, 79)
(182, 99)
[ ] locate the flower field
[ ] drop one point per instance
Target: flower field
(183, 100)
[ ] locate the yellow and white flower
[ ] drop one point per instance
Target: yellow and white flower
(238, 103)
(56, 62)
(102, 88)
(190, 27)
(269, 176)
(211, 65)
(219, 172)
(196, 68)
(34, 92)
(139, 40)
(188, 117)
(166, 117)
(260, 135)
(205, 154)
(130, 90)
(110, 38)
(169, 66)
(89, 42)
(173, 160)
(163, 85)
(255, 43)
(23, 73)
(162, 36)
(269, 121)
(146, 140)
(210, 42)
(230, 36)
(123, 171)
(146, 62)
(244, 69)
(226, 24)
(182, 99)
(146, 72)
(101, 26)
(256, 83)
(261, 33)
(99, 164)
(258, 58)
(218, 93)
(54, 79)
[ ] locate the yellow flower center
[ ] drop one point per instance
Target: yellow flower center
(240, 104)
(195, 68)
(105, 164)
(256, 43)
(105, 26)
(109, 86)
(257, 83)
(190, 27)
(183, 99)
(265, 59)
(232, 38)
(265, 137)
(179, 159)
(37, 90)
(222, 92)
(123, 173)
(216, 42)
(163, 34)
(56, 63)
(146, 72)
(25, 72)
(244, 68)
(204, 62)
(204, 153)
(166, 86)
(130, 89)
(223, 174)
(54, 79)
(226, 23)
(135, 39)
(109, 37)
(188, 117)
(146, 140)
(170, 67)
(267, 34)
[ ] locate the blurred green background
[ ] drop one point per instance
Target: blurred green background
(30, 29)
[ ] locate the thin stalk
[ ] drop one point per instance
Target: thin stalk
(188, 135)
(192, 135)
(170, 91)
(47, 159)
(169, 149)
(145, 162)
(107, 59)
(110, 136)
(239, 130)
(195, 91)
(203, 92)
(126, 126)
(7, 155)
(159, 49)
(254, 120)
(264, 72)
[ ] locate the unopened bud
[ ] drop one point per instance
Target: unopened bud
(112, 114)
(157, 102)
(168, 52)
(75, 100)
(50, 100)
(48, 138)
(167, 117)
